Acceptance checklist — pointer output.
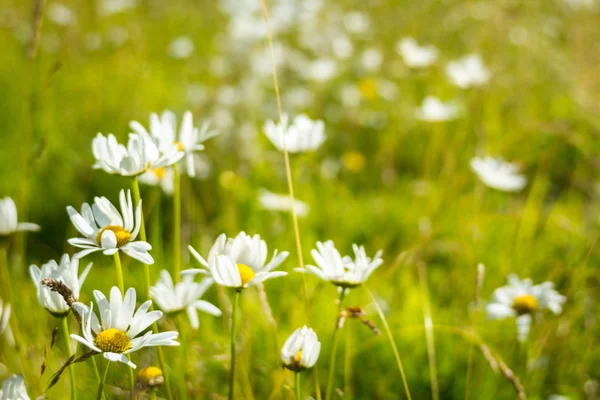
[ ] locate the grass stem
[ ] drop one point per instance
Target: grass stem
(435, 391)
(236, 300)
(119, 271)
(176, 224)
(67, 337)
(331, 375)
(100, 394)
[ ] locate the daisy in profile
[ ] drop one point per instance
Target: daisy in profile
(163, 129)
(105, 229)
(343, 272)
(67, 273)
(416, 56)
(183, 296)
(4, 323)
(498, 174)
(301, 350)
(118, 332)
(303, 134)
(434, 110)
(521, 300)
(13, 388)
(9, 223)
(281, 202)
(468, 71)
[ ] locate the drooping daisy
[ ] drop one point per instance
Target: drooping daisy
(521, 300)
(302, 135)
(9, 223)
(468, 71)
(434, 110)
(163, 129)
(301, 350)
(108, 231)
(239, 262)
(13, 388)
(118, 330)
(416, 56)
(281, 202)
(498, 174)
(342, 271)
(185, 295)
(4, 323)
(66, 273)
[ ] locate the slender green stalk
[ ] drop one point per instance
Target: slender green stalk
(183, 348)
(297, 386)
(119, 270)
(331, 375)
(67, 336)
(100, 394)
(153, 395)
(435, 392)
(97, 372)
(236, 300)
(176, 224)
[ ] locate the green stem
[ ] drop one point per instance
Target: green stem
(181, 322)
(97, 372)
(101, 385)
(119, 270)
(236, 300)
(153, 395)
(297, 386)
(67, 337)
(176, 224)
(333, 349)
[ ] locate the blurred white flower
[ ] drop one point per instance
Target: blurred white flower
(356, 22)
(66, 272)
(118, 35)
(521, 300)
(108, 7)
(9, 223)
(105, 229)
(92, 41)
(163, 177)
(342, 47)
(468, 71)
(322, 70)
(4, 324)
(582, 4)
(181, 48)
(434, 110)
(183, 296)
(416, 56)
(301, 350)
(60, 14)
(371, 59)
(13, 388)
(497, 174)
(281, 202)
(302, 135)
(118, 330)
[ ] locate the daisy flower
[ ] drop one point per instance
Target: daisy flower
(416, 56)
(434, 110)
(118, 331)
(468, 71)
(105, 229)
(281, 202)
(301, 350)
(342, 271)
(498, 174)
(65, 272)
(8, 219)
(239, 262)
(521, 300)
(185, 295)
(163, 129)
(159, 176)
(302, 135)
(4, 323)
(13, 388)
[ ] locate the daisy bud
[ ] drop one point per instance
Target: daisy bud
(301, 350)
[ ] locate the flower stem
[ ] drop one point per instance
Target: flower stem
(331, 376)
(435, 392)
(176, 224)
(119, 270)
(297, 386)
(101, 385)
(67, 337)
(97, 372)
(236, 300)
(183, 351)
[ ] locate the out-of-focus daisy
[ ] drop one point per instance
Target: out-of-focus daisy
(303, 134)
(65, 272)
(60, 14)
(109, 7)
(141, 154)
(498, 174)
(239, 262)
(582, 4)
(163, 129)
(184, 296)
(281, 202)
(342, 271)
(322, 70)
(13, 388)
(105, 229)
(150, 377)
(371, 59)
(434, 110)
(416, 56)
(468, 71)
(4, 323)
(163, 177)
(8, 219)
(118, 330)
(521, 300)
(181, 48)
(301, 350)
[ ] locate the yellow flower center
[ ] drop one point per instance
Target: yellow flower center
(159, 172)
(298, 357)
(368, 88)
(354, 161)
(121, 234)
(113, 340)
(246, 273)
(524, 304)
(179, 146)
(151, 376)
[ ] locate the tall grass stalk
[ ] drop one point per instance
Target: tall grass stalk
(331, 375)
(478, 284)
(119, 272)
(97, 372)
(67, 337)
(429, 337)
(235, 305)
(176, 224)
(100, 393)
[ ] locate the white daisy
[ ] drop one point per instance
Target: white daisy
(163, 130)
(468, 71)
(520, 299)
(66, 273)
(5, 323)
(13, 388)
(185, 295)
(8, 219)
(281, 202)
(159, 176)
(301, 350)
(302, 135)
(434, 110)
(498, 174)
(141, 154)
(416, 56)
(106, 230)
(239, 262)
(342, 271)
(117, 331)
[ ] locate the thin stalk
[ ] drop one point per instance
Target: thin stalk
(97, 372)
(435, 391)
(297, 386)
(176, 224)
(119, 270)
(391, 338)
(183, 340)
(331, 375)
(153, 395)
(100, 394)
(67, 337)
(236, 300)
